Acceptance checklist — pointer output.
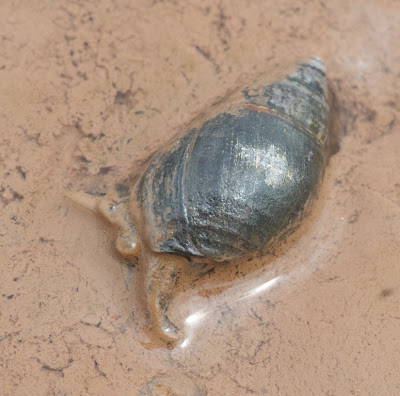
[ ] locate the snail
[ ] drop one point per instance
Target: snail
(235, 184)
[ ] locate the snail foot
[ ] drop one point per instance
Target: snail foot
(161, 274)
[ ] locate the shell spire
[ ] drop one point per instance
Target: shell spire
(302, 96)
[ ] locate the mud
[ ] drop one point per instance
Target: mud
(87, 93)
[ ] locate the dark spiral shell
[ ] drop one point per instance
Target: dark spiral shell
(245, 176)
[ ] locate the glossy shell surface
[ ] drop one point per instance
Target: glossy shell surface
(228, 187)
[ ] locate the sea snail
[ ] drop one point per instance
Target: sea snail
(237, 181)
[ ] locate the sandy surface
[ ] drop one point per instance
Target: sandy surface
(87, 91)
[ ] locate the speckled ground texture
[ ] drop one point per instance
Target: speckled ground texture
(88, 90)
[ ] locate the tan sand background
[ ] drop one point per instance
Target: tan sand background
(87, 91)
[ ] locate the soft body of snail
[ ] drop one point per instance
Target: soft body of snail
(236, 182)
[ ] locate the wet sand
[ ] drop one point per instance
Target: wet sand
(87, 93)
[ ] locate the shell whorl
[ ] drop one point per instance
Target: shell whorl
(301, 96)
(228, 187)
